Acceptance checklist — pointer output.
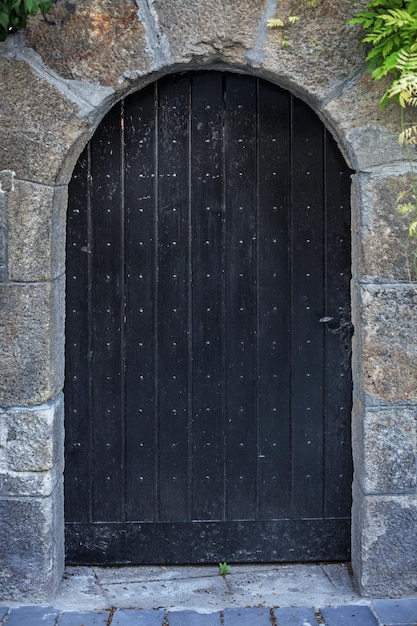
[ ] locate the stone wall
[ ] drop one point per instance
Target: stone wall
(57, 80)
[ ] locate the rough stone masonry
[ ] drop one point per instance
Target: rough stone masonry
(57, 80)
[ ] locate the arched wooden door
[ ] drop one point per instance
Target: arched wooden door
(208, 387)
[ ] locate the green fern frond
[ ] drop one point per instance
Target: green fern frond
(407, 59)
(275, 23)
(412, 229)
(408, 136)
(398, 18)
(375, 4)
(406, 208)
(390, 26)
(387, 67)
(404, 89)
(402, 195)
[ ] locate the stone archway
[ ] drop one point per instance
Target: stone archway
(53, 95)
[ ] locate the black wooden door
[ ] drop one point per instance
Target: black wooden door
(208, 387)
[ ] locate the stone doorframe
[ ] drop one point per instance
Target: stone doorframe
(56, 83)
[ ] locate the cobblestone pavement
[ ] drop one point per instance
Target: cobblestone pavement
(402, 612)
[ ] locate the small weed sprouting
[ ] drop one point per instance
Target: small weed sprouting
(224, 569)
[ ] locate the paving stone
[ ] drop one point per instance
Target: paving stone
(201, 589)
(32, 616)
(398, 612)
(147, 573)
(194, 594)
(131, 617)
(297, 616)
(84, 618)
(348, 616)
(80, 591)
(192, 618)
(247, 617)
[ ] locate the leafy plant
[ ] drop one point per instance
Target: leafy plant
(224, 569)
(278, 23)
(14, 13)
(289, 20)
(391, 31)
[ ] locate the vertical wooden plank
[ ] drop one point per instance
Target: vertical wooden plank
(338, 398)
(77, 399)
(106, 322)
(241, 309)
(274, 302)
(141, 234)
(308, 304)
(173, 296)
(208, 259)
